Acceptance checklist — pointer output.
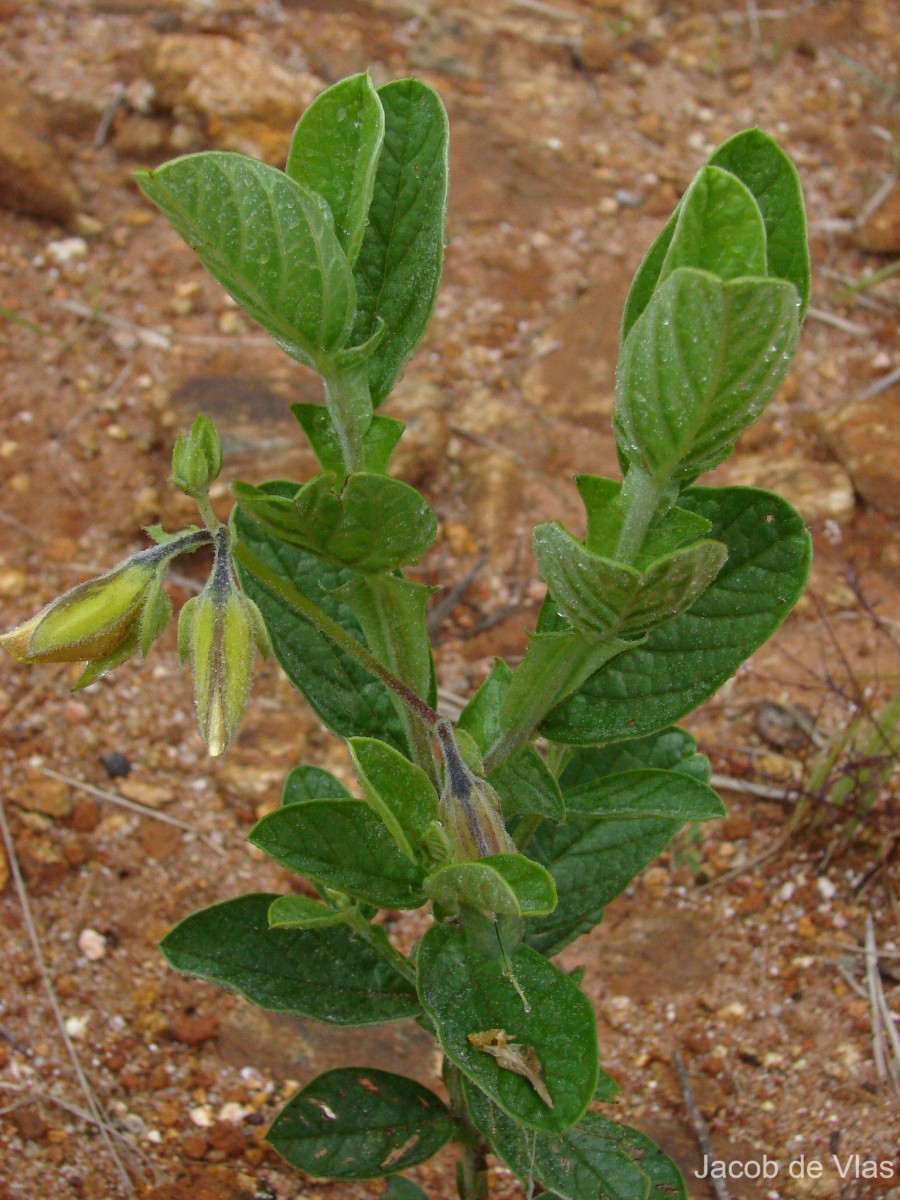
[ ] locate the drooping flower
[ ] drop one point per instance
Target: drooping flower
(220, 631)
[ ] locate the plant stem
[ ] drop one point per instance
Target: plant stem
(212, 522)
(350, 406)
(472, 1178)
(640, 497)
(311, 612)
(376, 937)
(472, 1172)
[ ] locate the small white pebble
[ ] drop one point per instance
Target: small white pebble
(66, 250)
(827, 890)
(232, 1111)
(202, 1116)
(76, 1027)
(92, 944)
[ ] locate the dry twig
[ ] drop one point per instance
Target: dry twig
(132, 805)
(93, 1103)
(885, 1038)
(701, 1129)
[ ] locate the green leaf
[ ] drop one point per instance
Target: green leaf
(399, 1188)
(327, 974)
(507, 884)
(302, 912)
(524, 782)
(671, 749)
(344, 845)
(358, 1123)
(592, 860)
(682, 662)
(646, 277)
(719, 229)
(391, 611)
(555, 665)
(334, 153)
(597, 1159)
(634, 795)
(760, 163)
(527, 786)
(267, 240)
(606, 515)
(348, 699)
(379, 441)
(698, 368)
(312, 783)
(466, 994)
(399, 266)
(603, 599)
(399, 791)
(369, 522)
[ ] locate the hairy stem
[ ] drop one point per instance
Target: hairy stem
(641, 498)
(350, 406)
(472, 1171)
(311, 612)
(376, 937)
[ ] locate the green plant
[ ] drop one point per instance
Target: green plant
(563, 777)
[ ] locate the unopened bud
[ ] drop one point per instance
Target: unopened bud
(220, 630)
(106, 620)
(96, 622)
(197, 458)
(469, 808)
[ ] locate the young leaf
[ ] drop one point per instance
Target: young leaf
(606, 515)
(602, 598)
(759, 162)
(399, 265)
(302, 912)
(399, 791)
(347, 698)
(671, 749)
(719, 229)
(344, 845)
(635, 795)
(507, 884)
(267, 240)
(379, 441)
(369, 522)
(595, 1158)
(334, 153)
(312, 783)
(359, 1123)
(698, 368)
(327, 974)
(466, 994)
(592, 860)
(682, 662)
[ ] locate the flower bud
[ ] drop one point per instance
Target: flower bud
(220, 630)
(197, 458)
(469, 808)
(90, 622)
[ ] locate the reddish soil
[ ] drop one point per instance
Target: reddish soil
(575, 127)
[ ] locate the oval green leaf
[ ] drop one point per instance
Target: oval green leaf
(267, 240)
(359, 1123)
(465, 994)
(327, 974)
(344, 845)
